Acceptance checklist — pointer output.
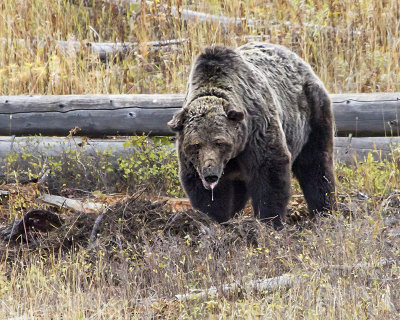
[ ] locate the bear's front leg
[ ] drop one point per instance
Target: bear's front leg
(271, 190)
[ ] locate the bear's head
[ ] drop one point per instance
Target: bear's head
(210, 133)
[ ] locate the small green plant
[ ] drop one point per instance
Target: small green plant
(149, 162)
(370, 176)
(153, 163)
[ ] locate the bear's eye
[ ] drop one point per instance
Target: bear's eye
(222, 144)
(194, 147)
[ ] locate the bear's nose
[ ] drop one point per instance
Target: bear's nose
(211, 179)
(209, 163)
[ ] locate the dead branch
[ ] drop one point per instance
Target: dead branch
(260, 285)
(286, 281)
(73, 204)
(362, 265)
(102, 49)
(93, 234)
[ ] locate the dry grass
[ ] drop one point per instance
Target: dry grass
(348, 263)
(145, 255)
(352, 45)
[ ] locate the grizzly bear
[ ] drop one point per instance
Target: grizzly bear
(250, 116)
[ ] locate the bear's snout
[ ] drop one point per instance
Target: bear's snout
(211, 176)
(211, 179)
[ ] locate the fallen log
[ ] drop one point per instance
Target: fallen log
(351, 150)
(191, 15)
(362, 115)
(286, 281)
(347, 150)
(95, 115)
(102, 49)
(74, 204)
(225, 21)
(367, 114)
(260, 285)
(106, 49)
(52, 146)
(201, 17)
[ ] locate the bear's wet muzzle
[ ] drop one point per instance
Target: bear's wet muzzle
(210, 177)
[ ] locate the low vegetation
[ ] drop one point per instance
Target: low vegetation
(144, 252)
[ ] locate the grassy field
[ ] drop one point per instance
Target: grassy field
(352, 45)
(346, 266)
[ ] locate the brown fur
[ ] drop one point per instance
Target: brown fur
(250, 116)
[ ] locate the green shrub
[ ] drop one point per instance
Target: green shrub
(145, 162)
(152, 163)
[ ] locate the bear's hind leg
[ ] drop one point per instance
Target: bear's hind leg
(314, 167)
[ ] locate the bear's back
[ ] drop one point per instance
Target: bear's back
(286, 74)
(274, 59)
(284, 70)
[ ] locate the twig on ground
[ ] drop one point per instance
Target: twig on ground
(361, 265)
(43, 178)
(93, 234)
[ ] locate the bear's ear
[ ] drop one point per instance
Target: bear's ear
(176, 123)
(235, 115)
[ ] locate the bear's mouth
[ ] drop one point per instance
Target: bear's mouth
(209, 186)
(210, 177)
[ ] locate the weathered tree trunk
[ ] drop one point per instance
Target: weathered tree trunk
(103, 49)
(351, 150)
(362, 115)
(95, 115)
(367, 114)
(347, 150)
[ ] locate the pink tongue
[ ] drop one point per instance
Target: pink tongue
(212, 186)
